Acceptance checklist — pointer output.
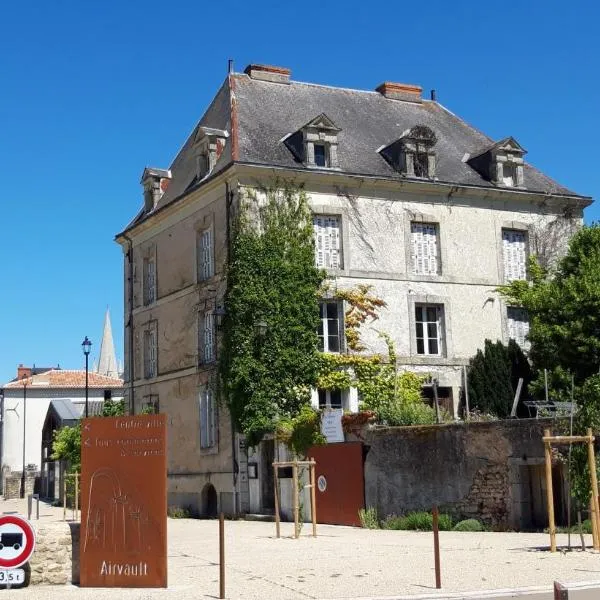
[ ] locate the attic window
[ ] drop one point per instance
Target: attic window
(421, 164)
(208, 147)
(502, 163)
(413, 154)
(320, 155)
(509, 174)
(316, 143)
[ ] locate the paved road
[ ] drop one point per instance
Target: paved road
(342, 562)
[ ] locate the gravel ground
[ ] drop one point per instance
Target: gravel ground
(343, 562)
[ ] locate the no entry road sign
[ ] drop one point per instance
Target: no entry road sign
(17, 541)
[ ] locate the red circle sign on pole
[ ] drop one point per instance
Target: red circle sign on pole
(17, 541)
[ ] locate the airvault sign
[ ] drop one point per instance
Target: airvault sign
(124, 502)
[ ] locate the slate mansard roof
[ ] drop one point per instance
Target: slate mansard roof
(259, 115)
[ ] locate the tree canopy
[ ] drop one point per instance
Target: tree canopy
(564, 308)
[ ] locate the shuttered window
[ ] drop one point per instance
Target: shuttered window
(205, 255)
(328, 242)
(425, 248)
(208, 421)
(206, 337)
(149, 281)
(150, 353)
(514, 250)
(518, 325)
(429, 329)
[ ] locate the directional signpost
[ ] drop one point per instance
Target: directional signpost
(17, 542)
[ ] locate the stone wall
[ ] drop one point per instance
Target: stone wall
(11, 484)
(481, 470)
(52, 561)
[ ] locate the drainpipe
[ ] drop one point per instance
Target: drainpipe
(130, 321)
(234, 461)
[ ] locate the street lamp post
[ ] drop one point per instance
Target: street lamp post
(24, 430)
(87, 346)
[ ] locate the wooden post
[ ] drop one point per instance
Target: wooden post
(467, 409)
(313, 499)
(295, 484)
(594, 485)
(221, 556)
(594, 524)
(76, 496)
(436, 547)
(549, 494)
(438, 418)
(64, 496)
(276, 478)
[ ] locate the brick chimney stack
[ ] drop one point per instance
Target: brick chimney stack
(23, 372)
(401, 91)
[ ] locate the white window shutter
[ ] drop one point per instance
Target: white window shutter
(328, 247)
(203, 419)
(211, 418)
(514, 246)
(424, 248)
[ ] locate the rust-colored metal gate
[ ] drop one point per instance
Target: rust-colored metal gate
(340, 482)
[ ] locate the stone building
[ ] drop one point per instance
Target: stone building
(406, 197)
(34, 405)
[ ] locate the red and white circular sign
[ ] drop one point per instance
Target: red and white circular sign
(17, 541)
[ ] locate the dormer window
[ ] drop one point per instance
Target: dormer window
(155, 182)
(413, 154)
(208, 144)
(509, 174)
(502, 163)
(316, 143)
(321, 155)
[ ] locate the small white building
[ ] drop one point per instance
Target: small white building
(25, 406)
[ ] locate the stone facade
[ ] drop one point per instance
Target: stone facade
(52, 561)
(489, 471)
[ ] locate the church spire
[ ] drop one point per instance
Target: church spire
(107, 363)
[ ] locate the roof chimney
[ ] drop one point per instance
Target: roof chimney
(400, 91)
(23, 372)
(268, 73)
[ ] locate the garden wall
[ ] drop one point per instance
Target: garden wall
(491, 471)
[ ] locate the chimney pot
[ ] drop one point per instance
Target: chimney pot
(268, 73)
(408, 92)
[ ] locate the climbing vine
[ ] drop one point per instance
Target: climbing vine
(271, 278)
(394, 397)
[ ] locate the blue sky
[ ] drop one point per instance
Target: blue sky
(91, 92)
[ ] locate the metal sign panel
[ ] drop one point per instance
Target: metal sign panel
(124, 502)
(17, 541)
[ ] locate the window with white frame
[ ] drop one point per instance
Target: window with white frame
(208, 421)
(429, 329)
(150, 353)
(206, 337)
(518, 325)
(425, 248)
(514, 252)
(149, 280)
(328, 241)
(330, 399)
(330, 326)
(205, 255)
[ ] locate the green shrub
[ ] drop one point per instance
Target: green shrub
(417, 521)
(178, 512)
(469, 525)
(586, 527)
(368, 518)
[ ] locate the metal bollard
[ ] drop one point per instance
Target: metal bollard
(30, 499)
